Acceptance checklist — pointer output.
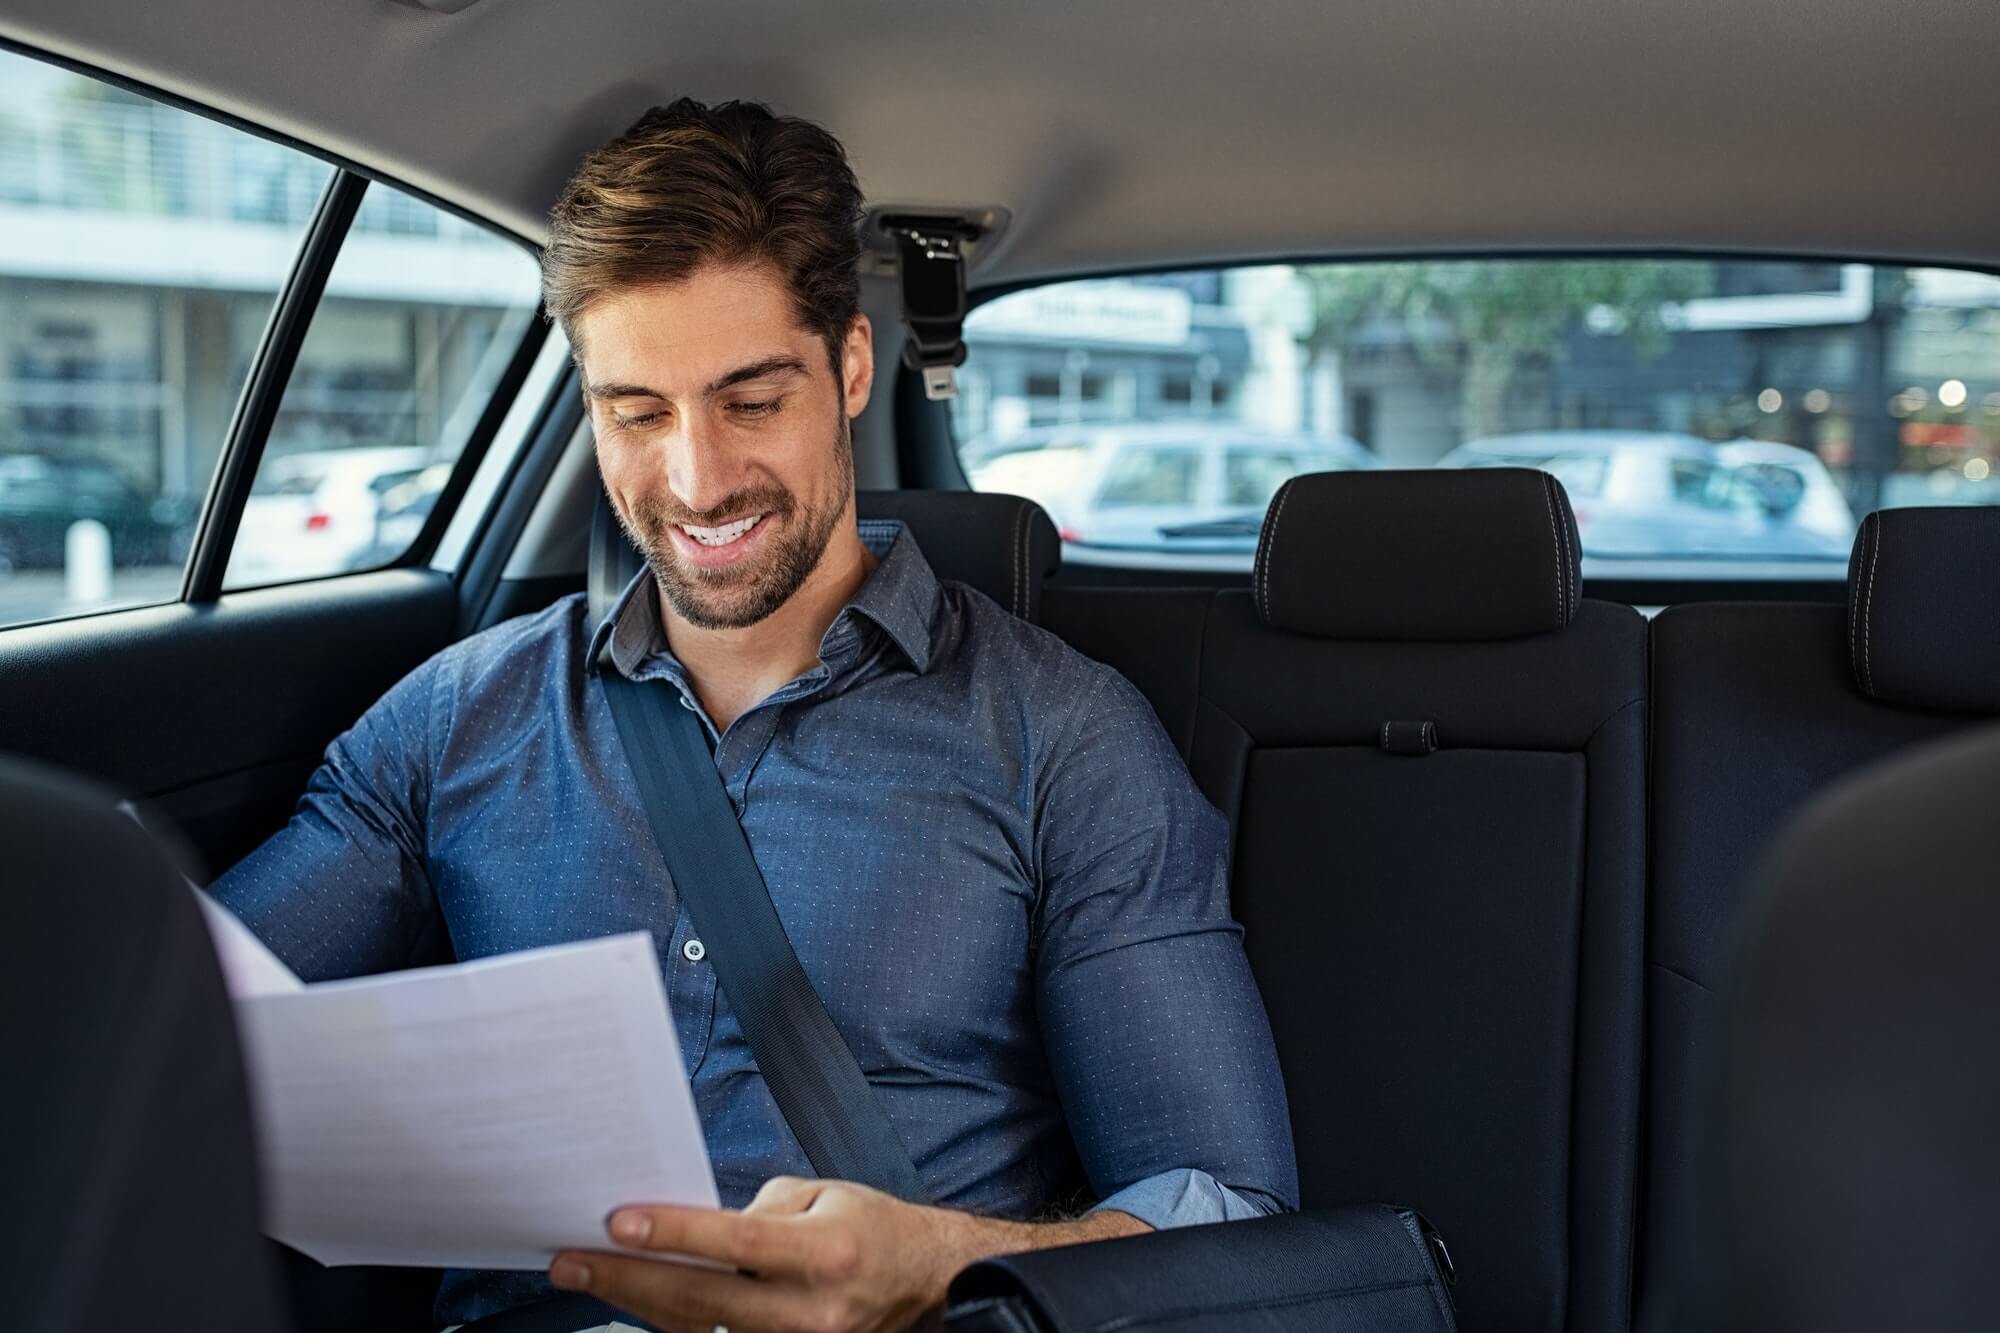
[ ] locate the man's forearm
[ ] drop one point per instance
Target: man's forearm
(965, 1238)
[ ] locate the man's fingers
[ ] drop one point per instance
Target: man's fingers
(759, 1242)
(667, 1293)
(786, 1194)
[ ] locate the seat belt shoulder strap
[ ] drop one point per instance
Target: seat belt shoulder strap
(813, 1076)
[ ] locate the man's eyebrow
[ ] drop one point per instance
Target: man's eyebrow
(756, 370)
(606, 392)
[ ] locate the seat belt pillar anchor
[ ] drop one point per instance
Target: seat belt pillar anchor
(940, 383)
(931, 270)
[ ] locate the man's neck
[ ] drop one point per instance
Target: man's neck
(732, 670)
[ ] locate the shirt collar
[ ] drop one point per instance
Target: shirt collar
(900, 597)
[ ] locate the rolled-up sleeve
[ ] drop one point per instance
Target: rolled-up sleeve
(342, 889)
(1187, 1198)
(1155, 1032)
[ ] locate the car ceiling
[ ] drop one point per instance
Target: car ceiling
(1125, 133)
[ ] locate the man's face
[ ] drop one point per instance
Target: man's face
(722, 436)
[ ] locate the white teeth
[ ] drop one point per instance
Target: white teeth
(724, 535)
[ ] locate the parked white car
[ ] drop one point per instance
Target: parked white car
(1647, 495)
(1189, 487)
(316, 513)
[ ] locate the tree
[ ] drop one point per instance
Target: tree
(1493, 318)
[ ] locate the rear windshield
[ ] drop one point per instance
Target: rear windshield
(1708, 418)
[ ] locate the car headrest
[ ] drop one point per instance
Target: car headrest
(1004, 546)
(1425, 555)
(1923, 619)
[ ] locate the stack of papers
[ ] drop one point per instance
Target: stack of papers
(482, 1115)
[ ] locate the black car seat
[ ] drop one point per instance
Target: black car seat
(1758, 707)
(1430, 748)
(132, 1185)
(1856, 1161)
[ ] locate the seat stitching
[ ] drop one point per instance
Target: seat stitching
(1257, 563)
(1549, 503)
(1017, 561)
(1385, 735)
(1573, 571)
(1277, 517)
(1868, 615)
(1562, 547)
(1569, 581)
(1854, 595)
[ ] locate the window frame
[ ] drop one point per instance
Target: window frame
(276, 354)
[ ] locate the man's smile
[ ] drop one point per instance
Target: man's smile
(722, 546)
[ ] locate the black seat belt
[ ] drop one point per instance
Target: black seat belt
(812, 1074)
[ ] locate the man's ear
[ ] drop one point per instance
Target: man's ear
(857, 364)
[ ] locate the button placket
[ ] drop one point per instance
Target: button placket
(692, 989)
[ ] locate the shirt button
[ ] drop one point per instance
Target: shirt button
(694, 951)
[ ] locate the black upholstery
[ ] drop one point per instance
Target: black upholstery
(1757, 708)
(1449, 945)
(131, 1183)
(1448, 941)
(1152, 635)
(1923, 622)
(1857, 1155)
(1002, 545)
(1426, 555)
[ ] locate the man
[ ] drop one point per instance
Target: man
(991, 860)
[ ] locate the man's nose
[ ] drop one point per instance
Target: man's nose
(700, 471)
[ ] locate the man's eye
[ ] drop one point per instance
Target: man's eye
(762, 409)
(644, 419)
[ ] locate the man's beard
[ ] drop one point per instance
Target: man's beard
(740, 595)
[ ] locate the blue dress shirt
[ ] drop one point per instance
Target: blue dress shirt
(990, 858)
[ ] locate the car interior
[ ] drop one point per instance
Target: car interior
(1497, 801)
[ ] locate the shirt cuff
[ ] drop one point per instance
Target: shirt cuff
(1187, 1198)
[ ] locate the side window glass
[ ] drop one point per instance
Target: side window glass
(145, 247)
(1150, 476)
(421, 315)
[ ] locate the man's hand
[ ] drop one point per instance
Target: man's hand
(813, 1256)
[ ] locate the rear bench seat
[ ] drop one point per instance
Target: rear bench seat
(1756, 708)
(1448, 938)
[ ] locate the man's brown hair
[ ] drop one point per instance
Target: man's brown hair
(691, 185)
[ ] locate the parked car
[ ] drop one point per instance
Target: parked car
(1190, 487)
(316, 513)
(401, 509)
(1651, 495)
(41, 497)
(1792, 482)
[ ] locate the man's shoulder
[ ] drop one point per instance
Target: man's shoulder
(522, 653)
(1033, 663)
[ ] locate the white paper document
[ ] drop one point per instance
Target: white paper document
(248, 968)
(483, 1115)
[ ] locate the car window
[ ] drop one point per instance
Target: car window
(422, 313)
(1150, 475)
(1709, 418)
(1252, 476)
(145, 247)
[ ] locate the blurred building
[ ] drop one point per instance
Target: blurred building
(140, 251)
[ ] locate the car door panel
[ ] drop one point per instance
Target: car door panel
(215, 714)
